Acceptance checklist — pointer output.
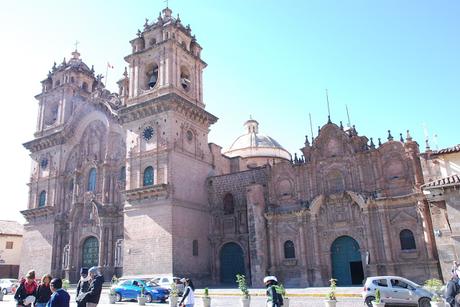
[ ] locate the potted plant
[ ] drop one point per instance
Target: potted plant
(112, 293)
(331, 300)
(434, 286)
(285, 298)
(65, 284)
(141, 297)
(242, 285)
(377, 302)
(173, 295)
(206, 298)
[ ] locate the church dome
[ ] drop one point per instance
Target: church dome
(253, 144)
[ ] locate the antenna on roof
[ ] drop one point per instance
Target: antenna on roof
(427, 138)
(435, 140)
(311, 128)
(328, 109)
(348, 116)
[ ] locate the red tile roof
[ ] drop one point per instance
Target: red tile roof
(447, 150)
(449, 181)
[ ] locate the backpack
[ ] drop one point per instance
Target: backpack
(279, 295)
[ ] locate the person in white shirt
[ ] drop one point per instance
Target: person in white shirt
(188, 299)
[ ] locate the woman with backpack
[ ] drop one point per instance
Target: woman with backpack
(274, 296)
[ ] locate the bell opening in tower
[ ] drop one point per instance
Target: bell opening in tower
(152, 76)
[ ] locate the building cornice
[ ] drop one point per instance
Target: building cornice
(168, 102)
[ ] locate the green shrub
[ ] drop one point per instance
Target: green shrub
(242, 285)
(65, 284)
(377, 296)
(332, 287)
(434, 285)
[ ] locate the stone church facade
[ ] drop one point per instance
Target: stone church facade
(129, 182)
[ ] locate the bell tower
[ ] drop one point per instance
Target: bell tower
(165, 58)
(65, 85)
(168, 158)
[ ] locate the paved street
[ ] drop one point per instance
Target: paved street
(227, 301)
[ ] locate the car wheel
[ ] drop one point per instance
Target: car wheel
(148, 298)
(424, 302)
(368, 301)
(5, 292)
(163, 301)
(119, 298)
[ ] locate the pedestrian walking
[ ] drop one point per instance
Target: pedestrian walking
(453, 289)
(82, 286)
(274, 292)
(25, 294)
(95, 287)
(60, 297)
(43, 293)
(188, 299)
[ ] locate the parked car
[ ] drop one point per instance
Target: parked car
(131, 288)
(8, 285)
(396, 290)
(166, 281)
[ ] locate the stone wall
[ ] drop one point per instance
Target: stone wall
(38, 246)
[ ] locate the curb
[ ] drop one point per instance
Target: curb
(217, 294)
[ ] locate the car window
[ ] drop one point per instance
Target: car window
(380, 282)
(125, 283)
(396, 283)
(164, 280)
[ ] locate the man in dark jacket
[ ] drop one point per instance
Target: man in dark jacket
(452, 289)
(82, 287)
(60, 297)
(95, 287)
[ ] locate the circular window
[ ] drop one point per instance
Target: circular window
(189, 135)
(148, 133)
(44, 163)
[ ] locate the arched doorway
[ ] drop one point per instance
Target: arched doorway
(90, 252)
(347, 266)
(231, 263)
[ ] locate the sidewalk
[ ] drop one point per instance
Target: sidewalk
(292, 292)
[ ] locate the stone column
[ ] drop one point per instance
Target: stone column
(386, 242)
(257, 233)
(317, 280)
(301, 254)
(370, 244)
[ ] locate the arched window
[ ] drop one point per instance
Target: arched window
(92, 179)
(84, 86)
(148, 176)
(122, 174)
(195, 248)
(42, 199)
(407, 240)
(289, 250)
(229, 205)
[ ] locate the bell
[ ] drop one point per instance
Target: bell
(153, 80)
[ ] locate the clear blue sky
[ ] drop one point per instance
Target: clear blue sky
(396, 65)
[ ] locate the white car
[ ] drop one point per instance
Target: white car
(166, 281)
(396, 290)
(8, 285)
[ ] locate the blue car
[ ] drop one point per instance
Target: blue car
(130, 289)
